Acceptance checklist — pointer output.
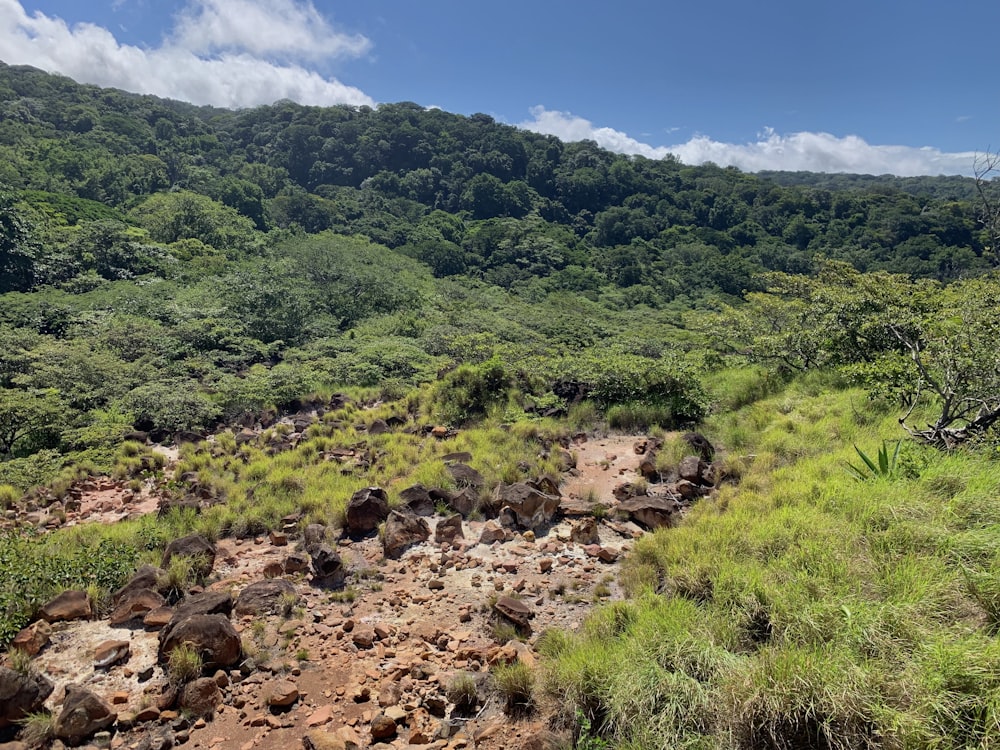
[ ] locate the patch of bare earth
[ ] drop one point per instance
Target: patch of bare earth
(388, 646)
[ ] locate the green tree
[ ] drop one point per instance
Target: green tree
(17, 248)
(29, 419)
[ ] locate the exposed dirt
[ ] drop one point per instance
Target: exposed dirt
(391, 642)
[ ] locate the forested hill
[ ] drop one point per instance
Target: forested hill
(943, 187)
(465, 195)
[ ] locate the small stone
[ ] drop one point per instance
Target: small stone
(383, 727)
(282, 693)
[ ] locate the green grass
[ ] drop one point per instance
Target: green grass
(184, 664)
(801, 608)
(515, 684)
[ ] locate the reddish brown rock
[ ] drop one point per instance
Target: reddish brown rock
(366, 509)
(69, 605)
(492, 532)
(282, 694)
(195, 546)
(402, 531)
(532, 507)
(135, 604)
(585, 531)
(33, 638)
(147, 577)
(690, 468)
(651, 512)
(21, 694)
(83, 714)
(200, 697)
(109, 653)
(383, 728)
(265, 597)
(158, 618)
(212, 636)
(449, 529)
(514, 610)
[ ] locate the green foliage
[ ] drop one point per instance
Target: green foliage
(516, 685)
(29, 420)
(468, 392)
(170, 217)
(665, 390)
(184, 664)
(37, 729)
(802, 608)
(462, 691)
(169, 405)
(885, 467)
(37, 569)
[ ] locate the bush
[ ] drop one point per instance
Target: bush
(516, 685)
(184, 664)
(468, 392)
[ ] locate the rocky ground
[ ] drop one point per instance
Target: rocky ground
(355, 641)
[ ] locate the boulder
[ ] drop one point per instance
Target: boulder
(403, 530)
(585, 531)
(69, 605)
(492, 532)
(701, 444)
(321, 739)
(296, 562)
(195, 546)
(109, 653)
(327, 566)
(33, 638)
(516, 611)
(417, 499)
(200, 697)
(565, 460)
(21, 694)
(146, 577)
(449, 529)
(265, 597)
(205, 603)
(282, 694)
(532, 507)
(135, 604)
(651, 512)
(690, 469)
(378, 427)
(463, 502)
(465, 476)
(366, 509)
(647, 467)
(383, 728)
(83, 714)
(314, 533)
(212, 636)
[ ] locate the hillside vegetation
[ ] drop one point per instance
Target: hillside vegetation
(170, 271)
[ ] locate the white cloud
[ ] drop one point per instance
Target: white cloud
(814, 152)
(263, 27)
(238, 75)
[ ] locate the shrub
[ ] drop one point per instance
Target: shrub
(516, 685)
(9, 494)
(184, 664)
(462, 692)
(38, 729)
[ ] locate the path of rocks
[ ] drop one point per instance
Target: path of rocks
(370, 663)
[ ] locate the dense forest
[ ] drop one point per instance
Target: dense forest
(171, 270)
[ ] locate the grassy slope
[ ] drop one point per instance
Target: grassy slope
(805, 608)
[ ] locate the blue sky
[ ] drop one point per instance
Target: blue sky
(907, 87)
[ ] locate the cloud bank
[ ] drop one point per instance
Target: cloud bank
(229, 53)
(814, 152)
